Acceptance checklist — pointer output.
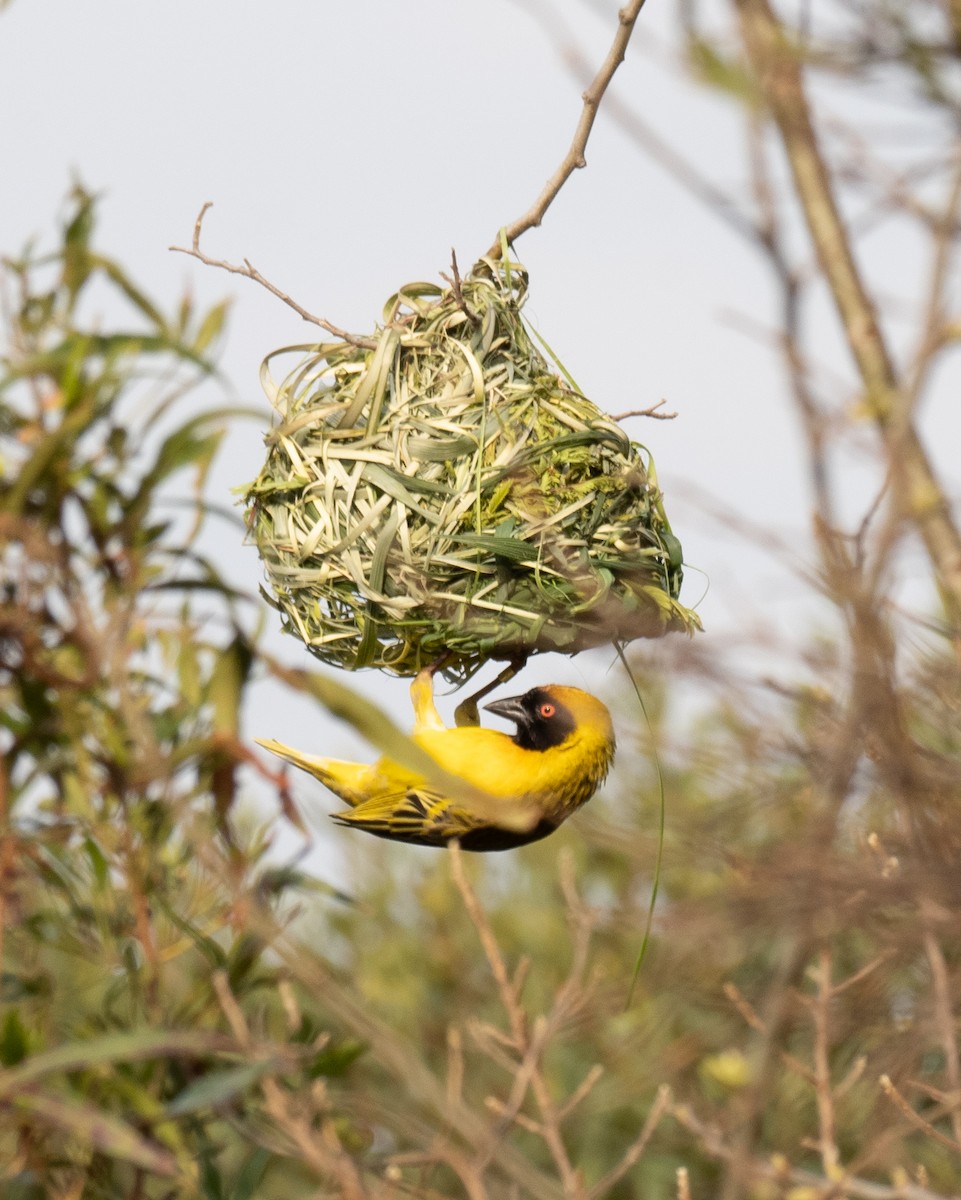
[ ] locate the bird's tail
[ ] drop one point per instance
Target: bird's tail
(350, 781)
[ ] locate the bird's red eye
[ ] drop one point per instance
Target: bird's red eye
(547, 710)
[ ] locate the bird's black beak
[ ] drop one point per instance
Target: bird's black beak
(512, 708)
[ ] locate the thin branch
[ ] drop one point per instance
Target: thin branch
(646, 412)
(827, 1129)
(945, 1022)
(248, 271)
(319, 1148)
(661, 1105)
(529, 1045)
(914, 1118)
(574, 159)
(711, 1143)
(644, 135)
(935, 335)
(581, 1092)
(920, 495)
(454, 280)
(791, 282)
(420, 1086)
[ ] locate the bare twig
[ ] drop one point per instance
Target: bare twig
(779, 1173)
(574, 159)
(319, 1148)
(751, 1018)
(250, 272)
(946, 1024)
(455, 1065)
(581, 1092)
(646, 412)
(662, 1103)
(935, 335)
(661, 150)
(827, 1129)
(421, 1087)
(913, 1117)
(920, 495)
(527, 1043)
(454, 280)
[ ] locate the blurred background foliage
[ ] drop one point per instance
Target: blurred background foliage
(185, 1013)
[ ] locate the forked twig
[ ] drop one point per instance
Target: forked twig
(249, 271)
(712, 1143)
(913, 1117)
(528, 1044)
(454, 279)
(646, 412)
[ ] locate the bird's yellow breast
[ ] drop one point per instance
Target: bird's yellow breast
(557, 780)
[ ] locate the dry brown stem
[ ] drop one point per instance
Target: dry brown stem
(919, 494)
(574, 159)
(397, 1057)
(320, 1149)
(946, 1023)
(827, 1129)
(779, 1173)
(913, 1117)
(249, 271)
(520, 1050)
(525, 1042)
(646, 412)
(633, 124)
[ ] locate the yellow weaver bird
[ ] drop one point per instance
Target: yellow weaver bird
(526, 785)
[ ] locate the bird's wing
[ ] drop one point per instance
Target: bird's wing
(416, 814)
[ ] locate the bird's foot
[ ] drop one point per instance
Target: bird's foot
(468, 711)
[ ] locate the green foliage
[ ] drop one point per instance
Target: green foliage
(137, 1002)
(182, 1014)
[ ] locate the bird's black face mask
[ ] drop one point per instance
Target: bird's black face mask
(542, 722)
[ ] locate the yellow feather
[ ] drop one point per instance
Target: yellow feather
(531, 783)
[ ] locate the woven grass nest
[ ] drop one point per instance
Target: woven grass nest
(442, 489)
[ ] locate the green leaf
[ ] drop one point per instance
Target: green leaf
(96, 1128)
(218, 1087)
(112, 1048)
(211, 327)
(335, 1059)
(14, 1042)
(721, 72)
(513, 549)
(250, 1176)
(227, 682)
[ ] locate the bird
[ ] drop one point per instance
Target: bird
(508, 790)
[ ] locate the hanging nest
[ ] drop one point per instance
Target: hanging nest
(439, 488)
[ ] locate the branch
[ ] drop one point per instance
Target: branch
(250, 272)
(574, 159)
(946, 1024)
(915, 1118)
(646, 412)
(920, 495)
(645, 136)
(528, 1044)
(827, 1126)
(710, 1141)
